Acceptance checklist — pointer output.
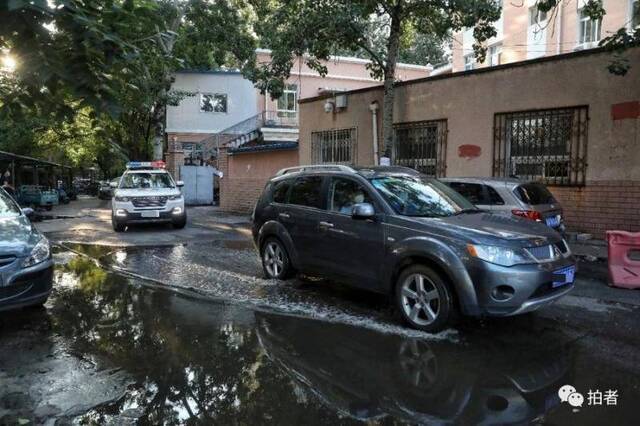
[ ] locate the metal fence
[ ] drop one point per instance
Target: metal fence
(544, 145)
(336, 146)
(421, 145)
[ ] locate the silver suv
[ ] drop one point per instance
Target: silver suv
(395, 231)
(511, 197)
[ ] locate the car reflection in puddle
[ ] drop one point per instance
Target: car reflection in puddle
(367, 375)
(187, 360)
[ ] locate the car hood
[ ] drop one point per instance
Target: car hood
(487, 228)
(165, 192)
(17, 236)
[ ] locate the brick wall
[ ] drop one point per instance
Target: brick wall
(245, 176)
(600, 206)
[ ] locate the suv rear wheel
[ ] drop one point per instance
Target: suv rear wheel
(424, 299)
(275, 260)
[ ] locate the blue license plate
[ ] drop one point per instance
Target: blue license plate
(552, 222)
(564, 276)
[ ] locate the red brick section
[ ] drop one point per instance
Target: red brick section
(601, 206)
(223, 166)
(245, 176)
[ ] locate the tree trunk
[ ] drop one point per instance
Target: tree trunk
(389, 79)
(160, 112)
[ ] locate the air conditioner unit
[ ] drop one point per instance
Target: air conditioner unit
(341, 101)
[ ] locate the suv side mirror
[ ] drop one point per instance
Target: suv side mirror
(113, 185)
(179, 183)
(28, 212)
(363, 211)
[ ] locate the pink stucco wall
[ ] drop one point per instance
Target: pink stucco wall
(343, 74)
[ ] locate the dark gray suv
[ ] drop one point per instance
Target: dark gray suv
(394, 231)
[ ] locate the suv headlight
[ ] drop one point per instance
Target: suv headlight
(123, 199)
(499, 255)
(40, 253)
(175, 197)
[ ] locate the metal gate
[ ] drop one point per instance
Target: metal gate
(198, 184)
(421, 145)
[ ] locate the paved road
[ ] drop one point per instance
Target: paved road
(193, 333)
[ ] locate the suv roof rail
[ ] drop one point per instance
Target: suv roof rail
(325, 167)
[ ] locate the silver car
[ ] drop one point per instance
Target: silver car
(511, 197)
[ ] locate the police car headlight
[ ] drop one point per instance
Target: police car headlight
(122, 199)
(175, 197)
(40, 253)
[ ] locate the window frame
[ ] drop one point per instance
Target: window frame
(469, 61)
(439, 159)
(583, 21)
(489, 192)
(535, 131)
(290, 89)
(322, 193)
(634, 5)
(289, 183)
(482, 191)
(329, 195)
(226, 102)
(324, 140)
(497, 53)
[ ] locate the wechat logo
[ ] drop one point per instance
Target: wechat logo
(570, 395)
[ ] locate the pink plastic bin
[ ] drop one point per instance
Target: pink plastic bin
(624, 271)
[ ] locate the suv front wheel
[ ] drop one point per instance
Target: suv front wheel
(424, 299)
(275, 260)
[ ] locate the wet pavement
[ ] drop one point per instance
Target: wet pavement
(192, 334)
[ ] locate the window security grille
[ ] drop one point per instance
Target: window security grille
(336, 146)
(543, 145)
(421, 145)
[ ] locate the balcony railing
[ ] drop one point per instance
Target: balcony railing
(238, 134)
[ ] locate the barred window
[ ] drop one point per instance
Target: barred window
(543, 145)
(421, 145)
(336, 146)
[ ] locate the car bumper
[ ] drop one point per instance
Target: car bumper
(162, 217)
(27, 287)
(532, 286)
(165, 213)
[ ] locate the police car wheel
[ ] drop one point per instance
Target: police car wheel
(117, 226)
(180, 224)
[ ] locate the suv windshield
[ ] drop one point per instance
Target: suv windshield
(146, 180)
(534, 193)
(8, 207)
(413, 196)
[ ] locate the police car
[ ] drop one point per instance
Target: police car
(146, 192)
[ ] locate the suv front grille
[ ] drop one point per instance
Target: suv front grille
(545, 253)
(149, 201)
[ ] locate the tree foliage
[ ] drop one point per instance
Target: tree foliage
(378, 28)
(115, 60)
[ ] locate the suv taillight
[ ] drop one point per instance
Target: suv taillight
(528, 214)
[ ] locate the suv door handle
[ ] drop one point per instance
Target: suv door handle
(284, 215)
(325, 224)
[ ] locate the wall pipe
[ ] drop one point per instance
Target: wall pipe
(373, 107)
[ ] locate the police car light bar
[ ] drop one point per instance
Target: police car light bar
(146, 165)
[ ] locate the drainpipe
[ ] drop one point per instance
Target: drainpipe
(373, 107)
(559, 29)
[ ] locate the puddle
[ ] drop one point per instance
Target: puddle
(239, 244)
(111, 350)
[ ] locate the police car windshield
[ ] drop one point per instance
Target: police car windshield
(146, 180)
